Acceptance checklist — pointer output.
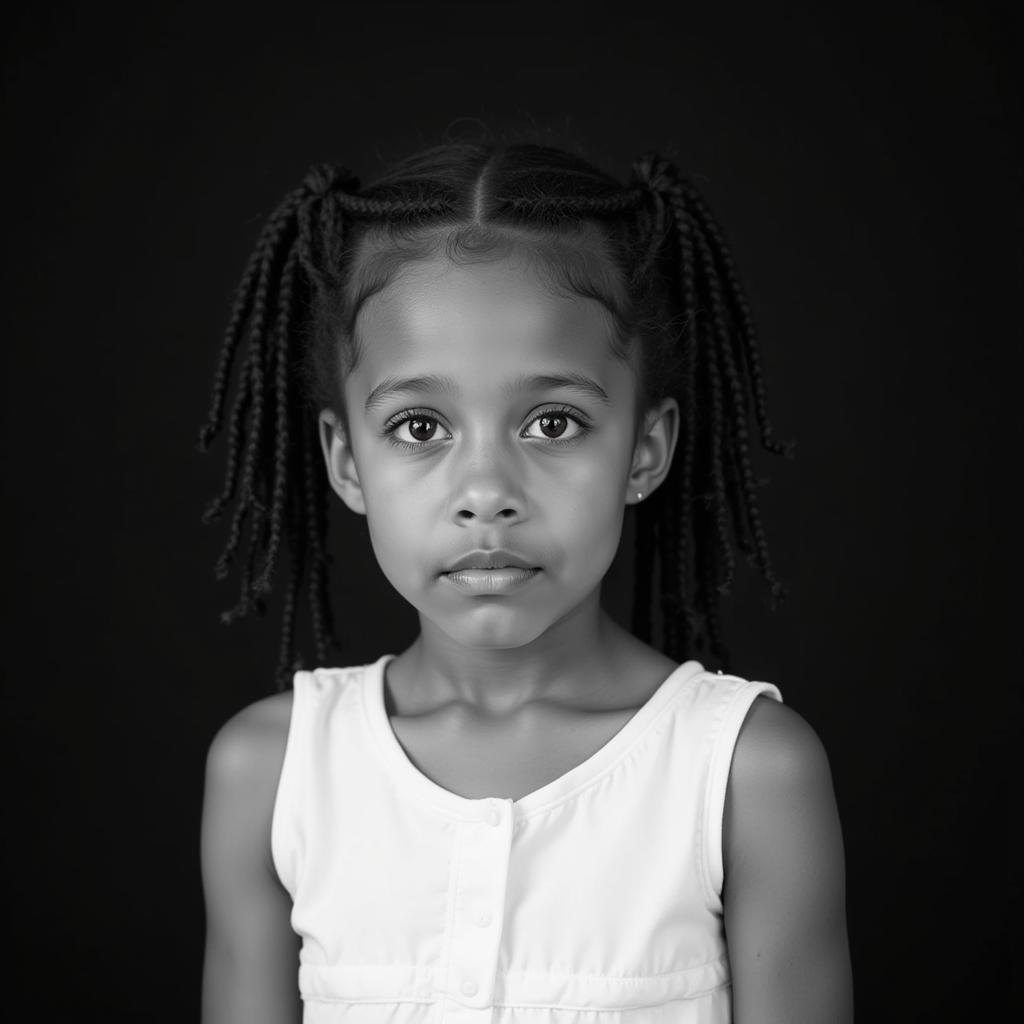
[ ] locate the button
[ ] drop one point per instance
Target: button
(494, 817)
(484, 918)
(469, 988)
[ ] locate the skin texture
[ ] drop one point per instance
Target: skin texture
(457, 459)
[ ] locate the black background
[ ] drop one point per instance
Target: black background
(867, 173)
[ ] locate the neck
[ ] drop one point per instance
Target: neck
(571, 659)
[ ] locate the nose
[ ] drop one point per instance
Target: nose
(488, 489)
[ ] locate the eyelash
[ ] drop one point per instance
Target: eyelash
(426, 414)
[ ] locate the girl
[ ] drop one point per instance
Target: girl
(529, 815)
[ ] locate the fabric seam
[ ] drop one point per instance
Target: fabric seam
(285, 786)
(729, 716)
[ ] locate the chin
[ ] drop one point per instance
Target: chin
(486, 631)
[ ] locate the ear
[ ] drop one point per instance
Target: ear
(341, 467)
(655, 446)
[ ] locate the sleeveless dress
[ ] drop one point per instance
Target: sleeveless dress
(595, 899)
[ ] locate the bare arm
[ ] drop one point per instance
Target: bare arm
(251, 965)
(785, 882)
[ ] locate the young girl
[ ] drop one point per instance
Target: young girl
(530, 815)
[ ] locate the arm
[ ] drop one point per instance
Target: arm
(784, 892)
(251, 965)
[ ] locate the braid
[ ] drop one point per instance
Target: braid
(718, 498)
(240, 312)
(265, 298)
(712, 618)
(281, 368)
(286, 662)
(671, 625)
(216, 507)
(316, 525)
(747, 332)
(686, 537)
(738, 425)
(579, 206)
(262, 462)
(719, 348)
(234, 332)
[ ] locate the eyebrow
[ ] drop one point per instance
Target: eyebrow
(567, 381)
(391, 386)
(403, 385)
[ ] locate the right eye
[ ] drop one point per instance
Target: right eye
(417, 428)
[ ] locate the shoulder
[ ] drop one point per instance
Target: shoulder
(243, 768)
(251, 743)
(784, 880)
(251, 950)
(779, 769)
(777, 746)
(780, 808)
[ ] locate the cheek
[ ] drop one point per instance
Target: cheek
(591, 498)
(393, 529)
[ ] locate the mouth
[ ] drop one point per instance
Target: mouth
(490, 561)
(490, 572)
(490, 581)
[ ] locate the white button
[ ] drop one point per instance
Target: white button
(469, 988)
(484, 918)
(494, 817)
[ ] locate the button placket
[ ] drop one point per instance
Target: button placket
(479, 903)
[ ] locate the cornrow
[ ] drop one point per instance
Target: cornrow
(686, 307)
(582, 206)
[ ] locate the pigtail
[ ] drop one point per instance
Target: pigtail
(712, 500)
(271, 473)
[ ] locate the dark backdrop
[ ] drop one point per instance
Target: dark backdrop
(867, 175)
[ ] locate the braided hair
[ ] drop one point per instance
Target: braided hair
(663, 270)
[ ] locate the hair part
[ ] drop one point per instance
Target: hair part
(649, 252)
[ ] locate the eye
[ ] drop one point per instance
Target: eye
(554, 425)
(420, 428)
(416, 428)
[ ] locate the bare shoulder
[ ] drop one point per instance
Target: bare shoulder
(251, 949)
(243, 767)
(784, 886)
(779, 769)
(250, 746)
(776, 742)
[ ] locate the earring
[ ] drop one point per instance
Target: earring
(639, 495)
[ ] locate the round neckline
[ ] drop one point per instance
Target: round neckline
(424, 788)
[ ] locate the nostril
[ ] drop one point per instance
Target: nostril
(465, 514)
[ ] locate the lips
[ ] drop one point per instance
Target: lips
(490, 573)
(496, 559)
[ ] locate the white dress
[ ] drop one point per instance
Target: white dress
(595, 899)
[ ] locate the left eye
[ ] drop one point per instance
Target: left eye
(553, 426)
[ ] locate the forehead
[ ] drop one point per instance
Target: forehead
(481, 323)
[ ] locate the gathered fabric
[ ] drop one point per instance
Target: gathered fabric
(595, 899)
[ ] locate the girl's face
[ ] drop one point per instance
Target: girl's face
(492, 444)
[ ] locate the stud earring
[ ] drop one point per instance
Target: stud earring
(639, 495)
